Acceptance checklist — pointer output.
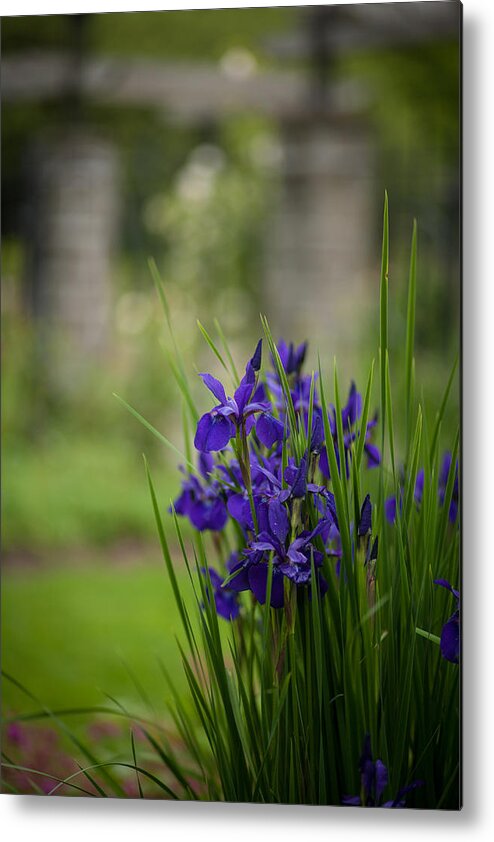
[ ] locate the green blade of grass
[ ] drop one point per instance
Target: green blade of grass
(213, 347)
(383, 313)
(428, 636)
(365, 418)
(440, 414)
(156, 433)
(410, 337)
(226, 348)
(134, 756)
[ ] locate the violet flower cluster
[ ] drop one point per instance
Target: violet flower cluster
(249, 475)
(374, 780)
(390, 503)
(450, 635)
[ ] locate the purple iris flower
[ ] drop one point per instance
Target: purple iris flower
(374, 780)
(350, 415)
(443, 481)
(292, 560)
(301, 394)
(270, 430)
(292, 359)
(450, 635)
(203, 503)
(225, 600)
(216, 428)
(296, 487)
(352, 411)
(390, 503)
(262, 478)
(295, 477)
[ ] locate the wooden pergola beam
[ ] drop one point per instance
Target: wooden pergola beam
(187, 91)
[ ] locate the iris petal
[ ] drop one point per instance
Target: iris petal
(450, 639)
(214, 386)
(269, 430)
(213, 432)
(258, 578)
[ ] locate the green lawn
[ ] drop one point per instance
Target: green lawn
(73, 633)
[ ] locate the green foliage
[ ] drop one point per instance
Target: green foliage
(285, 705)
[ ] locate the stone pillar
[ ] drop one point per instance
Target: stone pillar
(73, 223)
(318, 249)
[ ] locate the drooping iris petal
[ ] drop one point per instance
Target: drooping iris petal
(269, 430)
(258, 579)
(226, 604)
(214, 386)
(208, 514)
(239, 508)
(240, 582)
(182, 503)
(225, 600)
(279, 524)
(214, 431)
(450, 639)
(450, 635)
(273, 481)
(262, 518)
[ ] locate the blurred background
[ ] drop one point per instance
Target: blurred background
(247, 152)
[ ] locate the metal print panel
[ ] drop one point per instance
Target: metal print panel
(231, 241)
